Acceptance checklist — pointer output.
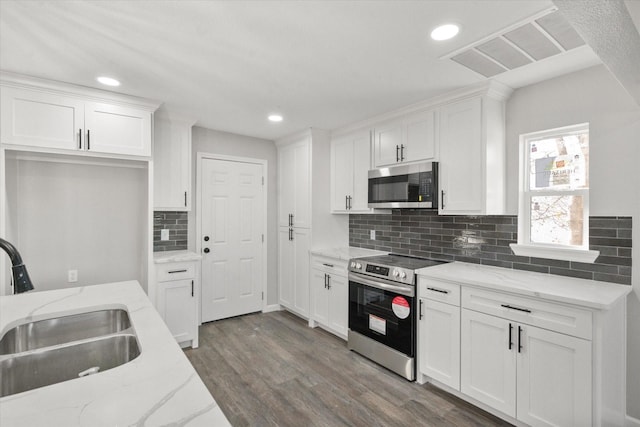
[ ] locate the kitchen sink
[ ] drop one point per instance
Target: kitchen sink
(59, 330)
(30, 370)
(44, 352)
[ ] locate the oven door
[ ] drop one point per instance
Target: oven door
(383, 311)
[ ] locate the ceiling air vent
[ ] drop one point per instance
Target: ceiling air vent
(541, 36)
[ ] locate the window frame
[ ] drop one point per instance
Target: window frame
(525, 247)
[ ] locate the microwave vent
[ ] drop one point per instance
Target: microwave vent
(539, 37)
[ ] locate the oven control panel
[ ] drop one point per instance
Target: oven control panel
(396, 274)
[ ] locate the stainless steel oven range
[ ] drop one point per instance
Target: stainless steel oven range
(382, 310)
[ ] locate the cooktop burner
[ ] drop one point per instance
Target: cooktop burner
(394, 267)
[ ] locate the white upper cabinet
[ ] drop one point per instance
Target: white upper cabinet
(172, 163)
(408, 139)
(472, 157)
(59, 118)
(350, 164)
(294, 179)
(114, 129)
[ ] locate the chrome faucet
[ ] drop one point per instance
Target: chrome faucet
(21, 280)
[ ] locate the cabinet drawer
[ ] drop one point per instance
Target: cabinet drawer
(329, 265)
(439, 291)
(556, 317)
(175, 271)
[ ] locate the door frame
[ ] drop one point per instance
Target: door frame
(200, 157)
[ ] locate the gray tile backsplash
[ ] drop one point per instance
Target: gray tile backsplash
(486, 239)
(177, 224)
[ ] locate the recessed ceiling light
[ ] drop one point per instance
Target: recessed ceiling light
(275, 118)
(108, 81)
(445, 32)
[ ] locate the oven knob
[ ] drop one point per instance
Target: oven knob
(403, 274)
(358, 266)
(353, 264)
(396, 273)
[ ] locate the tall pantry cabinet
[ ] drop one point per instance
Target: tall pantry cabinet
(301, 205)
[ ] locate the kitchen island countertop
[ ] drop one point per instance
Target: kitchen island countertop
(159, 387)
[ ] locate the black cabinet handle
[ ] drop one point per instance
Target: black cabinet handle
(442, 199)
(328, 265)
(88, 139)
(519, 339)
(349, 202)
(401, 152)
(185, 199)
(420, 311)
(177, 271)
(192, 288)
(80, 139)
(325, 280)
(397, 156)
(328, 281)
(438, 290)
(346, 202)
(510, 331)
(526, 310)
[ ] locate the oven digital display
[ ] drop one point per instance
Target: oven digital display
(376, 269)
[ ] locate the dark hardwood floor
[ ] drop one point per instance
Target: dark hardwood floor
(273, 370)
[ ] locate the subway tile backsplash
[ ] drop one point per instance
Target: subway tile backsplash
(177, 224)
(486, 239)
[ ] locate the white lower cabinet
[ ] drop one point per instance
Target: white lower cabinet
(329, 295)
(293, 269)
(177, 300)
(439, 332)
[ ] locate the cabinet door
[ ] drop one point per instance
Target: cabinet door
(302, 183)
(387, 144)
(114, 129)
(461, 171)
(554, 379)
(38, 119)
(320, 299)
(420, 137)
(286, 184)
(342, 173)
(301, 263)
(172, 165)
(286, 268)
(361, 166)
(177, 306)
(439, 337)
(488, 365)
(339, 304)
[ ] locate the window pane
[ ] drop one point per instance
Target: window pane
(557, 219)
(559, 163)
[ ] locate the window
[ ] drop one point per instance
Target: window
(553, 216)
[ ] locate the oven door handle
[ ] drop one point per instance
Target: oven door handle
(408, 291)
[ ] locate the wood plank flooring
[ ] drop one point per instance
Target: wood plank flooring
(273, 370)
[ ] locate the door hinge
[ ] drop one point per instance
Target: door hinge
(263, 296)
(263, 238)
(263, 180)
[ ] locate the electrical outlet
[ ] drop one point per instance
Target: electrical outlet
(72, 276)
(164, 234)
(372, 234)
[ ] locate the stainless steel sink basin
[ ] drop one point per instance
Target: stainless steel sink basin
(30, 370)
(59, 330)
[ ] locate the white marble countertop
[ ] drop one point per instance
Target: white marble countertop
(345, 253)
(582, 292)
(175, 256)
(159, 387)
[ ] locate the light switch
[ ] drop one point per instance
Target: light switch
(372, 235)
(164, 234)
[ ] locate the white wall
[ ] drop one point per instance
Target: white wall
(89, 218)
(217, 142)
(592, 96)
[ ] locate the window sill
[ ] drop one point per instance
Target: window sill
(564, 254)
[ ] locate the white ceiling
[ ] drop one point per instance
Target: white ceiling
(229, 63)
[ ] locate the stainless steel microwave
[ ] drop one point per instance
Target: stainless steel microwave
(404, 186)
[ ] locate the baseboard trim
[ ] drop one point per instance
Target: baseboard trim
(632, 422)
(270, 308)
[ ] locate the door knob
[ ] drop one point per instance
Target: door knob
(206, 238)
(207, 250)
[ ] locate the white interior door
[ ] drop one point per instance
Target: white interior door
(232, 229)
